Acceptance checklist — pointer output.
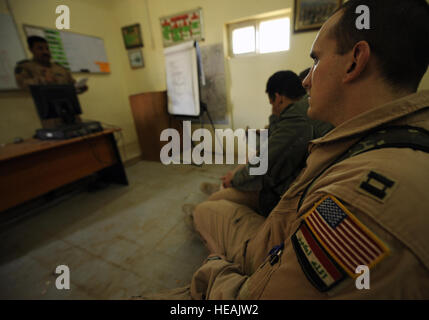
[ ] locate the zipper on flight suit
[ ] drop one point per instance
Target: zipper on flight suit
(274, 255)
(263, 276)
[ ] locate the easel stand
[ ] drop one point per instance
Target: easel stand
(203, 106)
(203, 109)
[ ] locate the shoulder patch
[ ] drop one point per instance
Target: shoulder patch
(376, 186)
(320, 269)
(331, 243)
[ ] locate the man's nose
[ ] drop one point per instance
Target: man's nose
(306, 83)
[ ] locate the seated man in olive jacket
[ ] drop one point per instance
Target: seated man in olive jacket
(289, 132)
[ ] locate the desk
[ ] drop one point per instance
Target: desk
(35, 167)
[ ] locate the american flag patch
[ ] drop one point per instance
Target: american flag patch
(343, 236)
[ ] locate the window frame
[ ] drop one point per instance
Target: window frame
(255, 22)
(239, 25)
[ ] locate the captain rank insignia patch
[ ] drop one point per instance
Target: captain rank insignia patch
(376, 186)
(331, 243)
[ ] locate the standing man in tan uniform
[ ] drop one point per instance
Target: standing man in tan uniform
(40, 70)
(362, 201)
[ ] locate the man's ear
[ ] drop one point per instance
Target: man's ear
(360, 58)
(277, 97)
(283, 100)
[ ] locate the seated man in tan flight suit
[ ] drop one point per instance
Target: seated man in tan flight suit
(40, 70)
(354, 224)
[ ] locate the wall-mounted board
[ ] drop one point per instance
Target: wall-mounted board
(76, 52)
(11, 51)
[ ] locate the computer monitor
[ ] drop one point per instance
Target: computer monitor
(56, 101)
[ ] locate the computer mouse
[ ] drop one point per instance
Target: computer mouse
(18, 140)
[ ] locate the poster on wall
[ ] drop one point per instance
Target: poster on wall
(182, 27)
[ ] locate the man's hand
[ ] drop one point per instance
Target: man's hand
(48, 75)
(227, 179)
(82, 89)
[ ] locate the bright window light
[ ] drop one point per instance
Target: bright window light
(274, 35)
(243, 40)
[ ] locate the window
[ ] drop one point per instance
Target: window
(274, 35)
(243, 40)
(259, 36)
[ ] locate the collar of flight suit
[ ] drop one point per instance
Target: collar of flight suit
(377, 116)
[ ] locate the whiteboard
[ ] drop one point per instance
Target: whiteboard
(182, 80)
(76, 52)
(11, 51)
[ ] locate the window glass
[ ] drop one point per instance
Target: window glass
(243, 40)
(274, 35)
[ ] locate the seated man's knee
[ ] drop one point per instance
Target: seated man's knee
(218, 195)
(203, 209)
(230, 194)
(207, 209)
(198, 211)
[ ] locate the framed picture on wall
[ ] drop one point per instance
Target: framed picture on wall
(132, 36)
(136, 58)
(311, 14)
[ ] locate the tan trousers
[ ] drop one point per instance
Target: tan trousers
(250, 198)
(226, 221)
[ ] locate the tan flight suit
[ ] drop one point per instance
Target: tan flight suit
(247, 198)
(30, 72)
(240, 241)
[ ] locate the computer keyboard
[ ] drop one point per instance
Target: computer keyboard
(69, 131)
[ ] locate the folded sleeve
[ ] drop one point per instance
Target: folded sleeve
(217, 279)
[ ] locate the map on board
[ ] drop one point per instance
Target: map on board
(214, 92)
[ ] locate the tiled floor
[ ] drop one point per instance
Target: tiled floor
(118, 242)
